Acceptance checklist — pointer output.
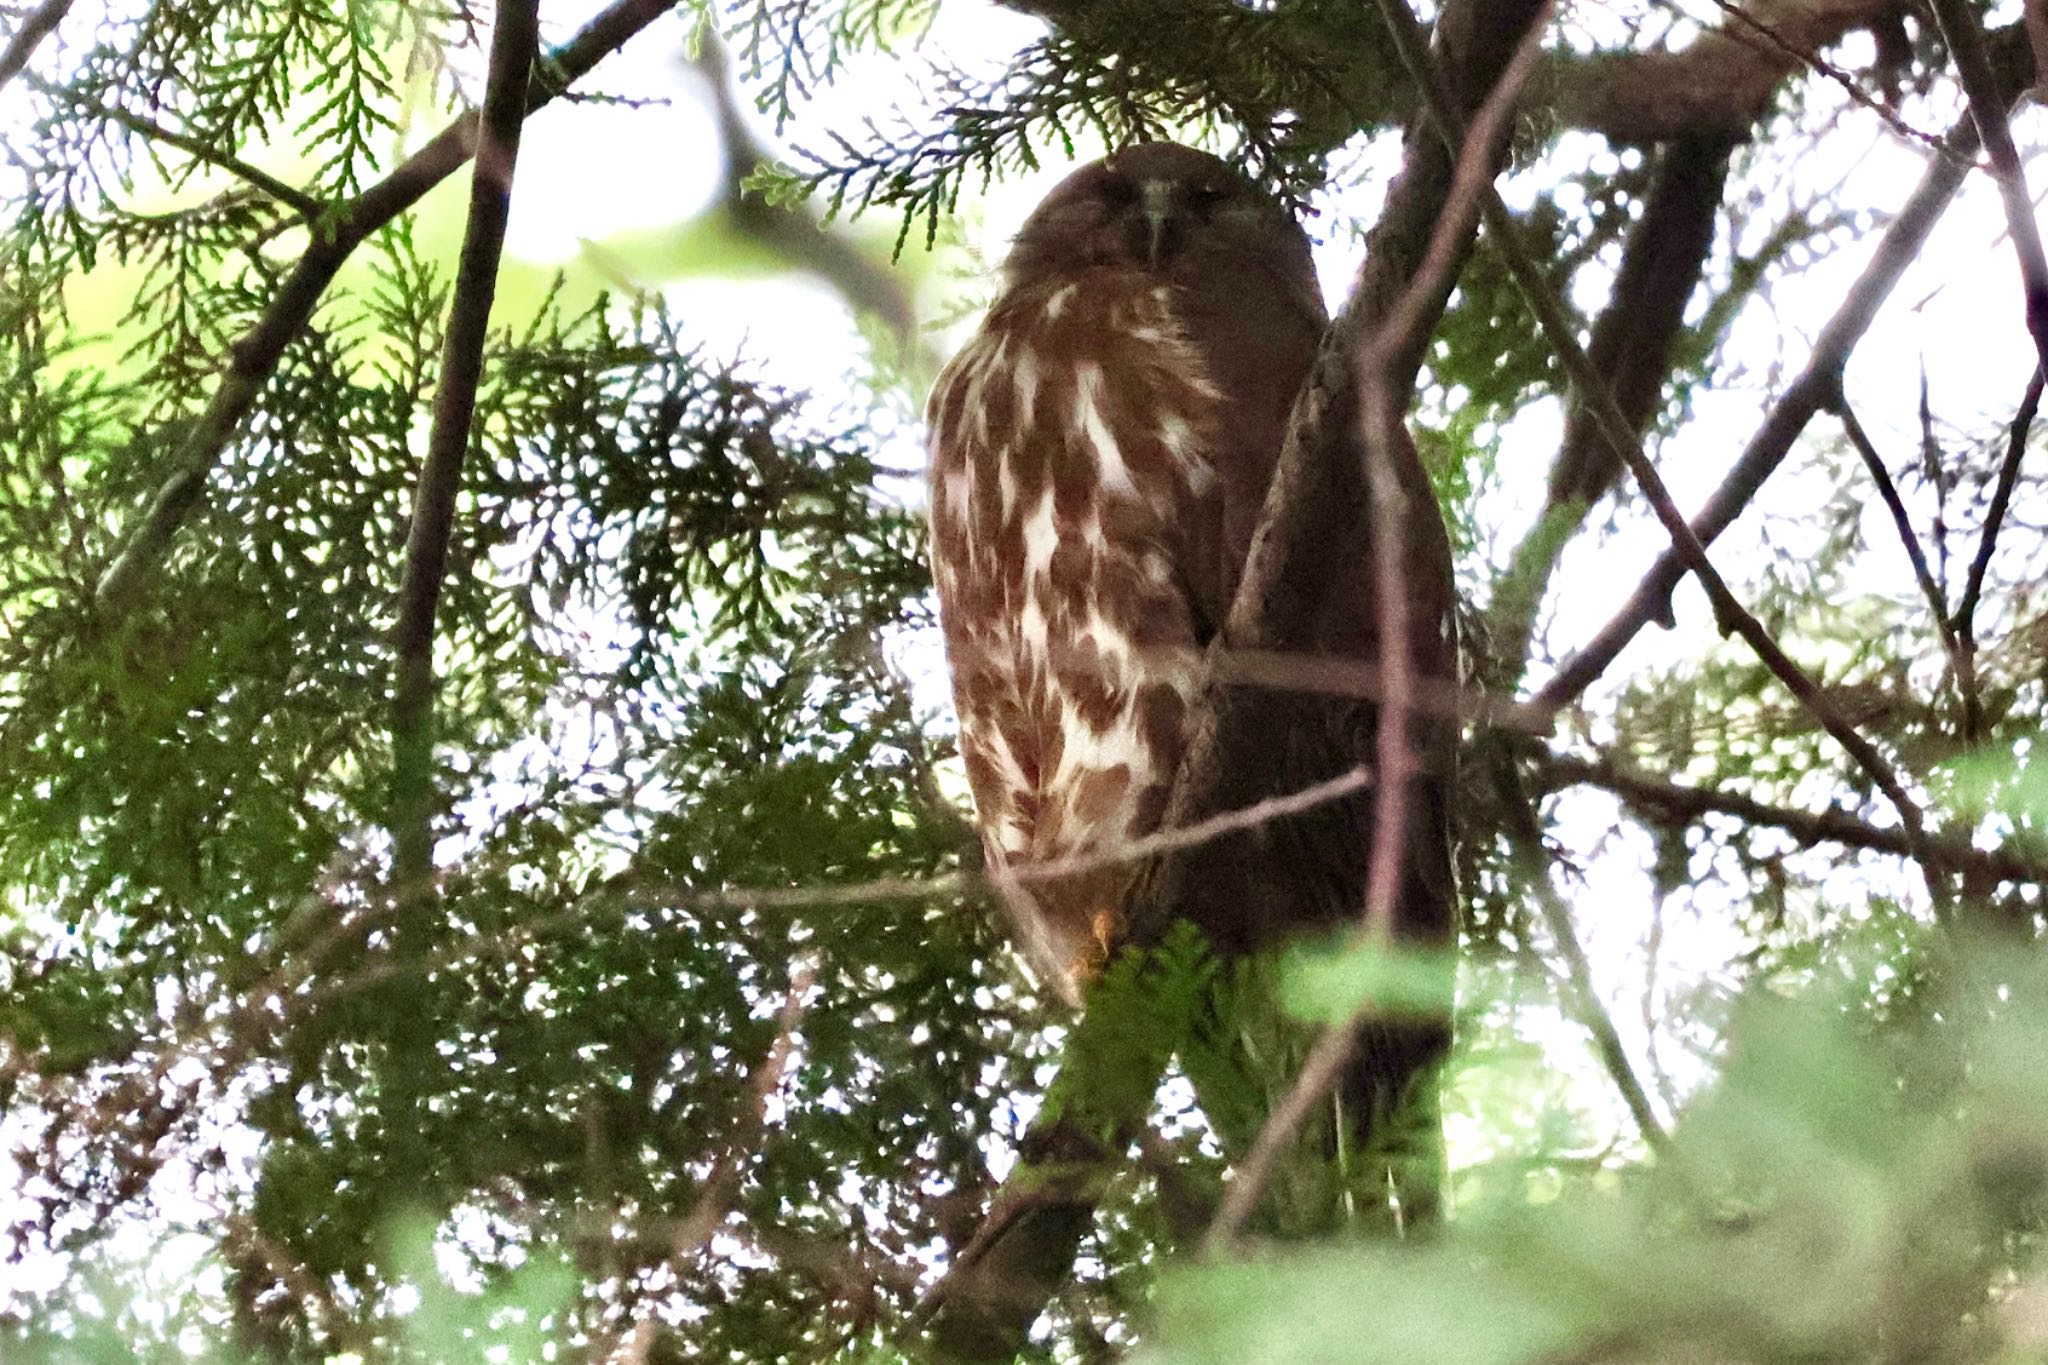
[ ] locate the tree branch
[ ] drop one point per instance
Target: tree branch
(515, 37)
(1965, 622)
(1672, 800)
(1889, 492)
(1716, 86)
(795, 233)
(1592, 390)
(252, 359)
(1532, 861)
(1965, 37)
(1816, 388)
(514, 40)
(41, 22)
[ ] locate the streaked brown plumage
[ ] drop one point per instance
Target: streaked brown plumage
(1100, 455)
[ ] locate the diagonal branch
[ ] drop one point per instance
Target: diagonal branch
(1594, 396)
(41, 22)
(1632, 346)
(1816, 388)
(1592, 389)
(1889, 492)
(252, 359)
(1965, 38)
(1532, 862)
(1965, 623)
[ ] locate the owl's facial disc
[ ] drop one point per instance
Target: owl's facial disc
(1156, 208)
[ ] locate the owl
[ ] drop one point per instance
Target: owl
(1100, 454)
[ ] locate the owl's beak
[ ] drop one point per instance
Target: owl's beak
(1162, 222)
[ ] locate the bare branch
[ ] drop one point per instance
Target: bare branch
(1672, 800)
(252, 359)
(1965, 37)
(41, 22)
(1729, 613)
(1632, 345)
(1965, 622)
(1595, 395)
(1889, 492)
(1816, 388)
(1773, 38)
(1278, 671)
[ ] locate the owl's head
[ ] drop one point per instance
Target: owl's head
(1162, 208)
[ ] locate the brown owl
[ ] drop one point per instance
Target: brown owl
(1100, 455)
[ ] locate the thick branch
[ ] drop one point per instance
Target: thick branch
(252, 359)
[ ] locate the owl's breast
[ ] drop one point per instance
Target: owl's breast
(1081, 412)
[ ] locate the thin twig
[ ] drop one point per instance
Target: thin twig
(1889, 492)
(1965, 38)
(1381, 430)
(1814, 389)
(1599, 400)
(1965, 622)
(1532, 860)
(41, 22)
(252, 359)
(305, 205)
(1674, 800)
(625, 894)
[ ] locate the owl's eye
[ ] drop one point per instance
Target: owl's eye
(1119, 192)
(1207, 196)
